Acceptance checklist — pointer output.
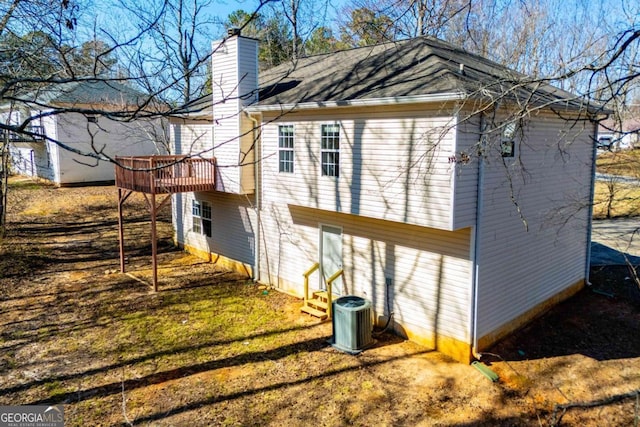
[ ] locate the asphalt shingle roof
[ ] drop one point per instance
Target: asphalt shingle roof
(414, 67)
(96, 92)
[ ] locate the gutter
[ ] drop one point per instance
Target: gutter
(396, 100)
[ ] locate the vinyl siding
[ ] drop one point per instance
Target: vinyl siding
(232, 221)
(465, 176)
(247, 155)
(247, 70)
(394, 165)
(39, 158)
(430, 269)
(112, 137)
(53, 160)
(549, 185)
(234, 68)
(226, 107)
(109, 137)
(32, 160)
(192, 138)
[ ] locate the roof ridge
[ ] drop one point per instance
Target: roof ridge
(402, 69)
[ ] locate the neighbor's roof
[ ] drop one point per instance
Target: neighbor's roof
(611, 125)
(93, 92)
(422, 68)
(200, 108)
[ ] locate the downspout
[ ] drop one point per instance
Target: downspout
(594, 150)
(54, 160)
(476, 239)
(257, 189)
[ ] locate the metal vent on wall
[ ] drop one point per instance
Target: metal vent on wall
(352, 324)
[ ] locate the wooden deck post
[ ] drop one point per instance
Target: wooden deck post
(120, 230)
(154, 242)
(123, 195)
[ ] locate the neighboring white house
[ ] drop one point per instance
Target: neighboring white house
(460, 219)
(615, 135)
(40, 156)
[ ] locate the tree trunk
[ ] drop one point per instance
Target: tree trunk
(422, 12)
(4, 176)
(294, 26)
(611, 187)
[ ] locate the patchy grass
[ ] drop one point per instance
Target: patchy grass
(74, 206)
(625, 200)
(214, 349)
(28, 183)
(626, 163)
(614, 198)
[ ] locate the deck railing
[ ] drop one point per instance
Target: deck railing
(330, 281)
(36, 134)
(306, 275)
(165, 174)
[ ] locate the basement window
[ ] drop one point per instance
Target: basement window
(201, 214)
(330, 150)
(285, 148)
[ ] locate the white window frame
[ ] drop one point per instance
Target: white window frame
(201, 217)
(330, 149)
(286, 149)
(507, 140)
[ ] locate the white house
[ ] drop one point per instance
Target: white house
(616, 135)
(77, 132)
(414, 167)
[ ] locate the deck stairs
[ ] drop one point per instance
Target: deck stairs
(317, 305)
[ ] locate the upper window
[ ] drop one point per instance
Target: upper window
(285, 148)
(201, 213)
(507, 143)
(330, 150)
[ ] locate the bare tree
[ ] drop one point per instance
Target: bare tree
(304, 17)
(158, 52)
(412, 18)
(176, 45)
(49, 25)
(367, 27)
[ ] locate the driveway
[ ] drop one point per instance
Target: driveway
(613, 238)
(617, 178)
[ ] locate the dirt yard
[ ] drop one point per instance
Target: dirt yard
(213, 349)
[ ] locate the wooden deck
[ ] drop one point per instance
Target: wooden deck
(153, 175)
(165, 174)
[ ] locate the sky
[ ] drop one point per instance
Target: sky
(222, 8)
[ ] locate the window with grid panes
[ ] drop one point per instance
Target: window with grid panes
(285, 148)
(201, 214)
(330, 150)
(507, 143)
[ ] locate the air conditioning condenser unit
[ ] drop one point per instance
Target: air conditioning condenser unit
(352, 324)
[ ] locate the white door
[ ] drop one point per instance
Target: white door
(331, 255)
